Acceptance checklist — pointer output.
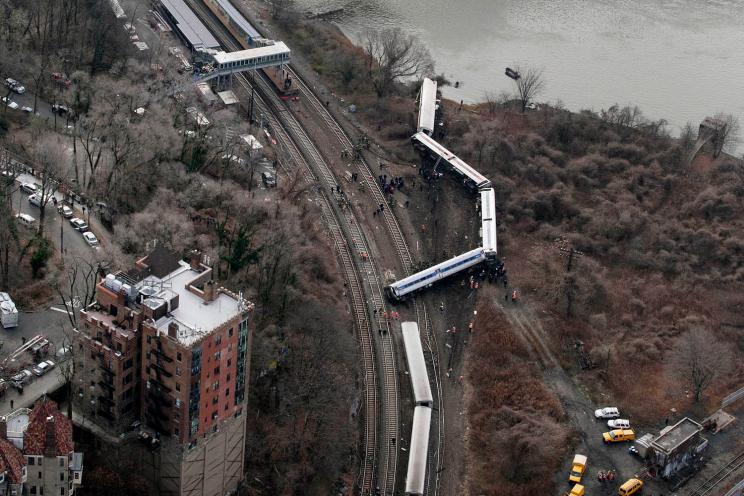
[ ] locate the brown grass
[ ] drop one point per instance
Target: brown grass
(515, 437)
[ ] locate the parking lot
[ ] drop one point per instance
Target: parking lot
(48, 323)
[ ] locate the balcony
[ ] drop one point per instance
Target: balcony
(160, 369)
(156, 384)
(162, 355)
(106, 368)
(106, 384)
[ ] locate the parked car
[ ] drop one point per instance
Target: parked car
(91, 239)
(79, 224)
(10, 103)
(577, 490)
(65, 211)
(30, 188)
(35, 200)
(618, 436)
(26, 220)
(60, 109)
(21, 378)
(631, 486)
(28, 110)
(15, 86)
(268, 179)
(577, 469)
(43, 367)
(607, 413)
(61, 79)
(618, 424)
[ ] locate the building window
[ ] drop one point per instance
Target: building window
(214, 400)
(40, 460)
(216, 371)
(176, 431)
(227, 392)
(217, 340)
(230, 332)
(148, 339)
(178, 370)
(31, 460)
(40, 477)
(229, 362)
(128, 364)
(225, 406)
(178, 387)
(214, 415)
(61, 491)
(61, 476)
(178, 356)
(33, 490)
(216, 386)
(62, 460)
(118, 347)
(128, 378)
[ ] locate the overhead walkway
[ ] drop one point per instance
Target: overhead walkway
(226, 64)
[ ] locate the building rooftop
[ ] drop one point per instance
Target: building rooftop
(189, 25)
(276, 49)
(676, 435)
(195, 317)
(12, 461)
(35, 440)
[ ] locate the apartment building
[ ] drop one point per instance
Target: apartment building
(12, 467)
(165, 345)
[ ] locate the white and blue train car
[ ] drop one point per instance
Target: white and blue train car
(416, 473)
(488, 223)
(400, 290)
(427, 106)
(416, 364)
(471, 177)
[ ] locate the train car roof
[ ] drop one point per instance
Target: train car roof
(419, 447)
(439, 265)
(416, 363)
(427, 105)
(238, 18)
(456, 162)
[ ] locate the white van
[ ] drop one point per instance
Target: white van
(26, 220)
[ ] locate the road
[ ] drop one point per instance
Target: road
(43, 109)
(68, 239)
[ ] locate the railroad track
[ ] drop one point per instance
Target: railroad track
(707, 487)
(436, 450)
(295, 144)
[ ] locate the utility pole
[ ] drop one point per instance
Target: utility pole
(570, 280)
(62, 241)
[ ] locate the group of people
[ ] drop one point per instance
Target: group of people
(380, 208)
(608, 475)
(389, 186)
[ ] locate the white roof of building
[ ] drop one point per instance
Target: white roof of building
(17, 425)
(195, 317)
(228, 97)
(6, 304)
(224, 58)
(251, 141)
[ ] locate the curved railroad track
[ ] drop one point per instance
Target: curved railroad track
(436, 450)
(295, 144)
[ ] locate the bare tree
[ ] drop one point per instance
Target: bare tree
(394, 55)
(279, 8)
(687, 137)
(727, 136)
(76, 286)
(49, 157)
(9, 239)
(530, 84)
(699, 359)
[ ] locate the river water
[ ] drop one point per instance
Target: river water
(676, 59)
